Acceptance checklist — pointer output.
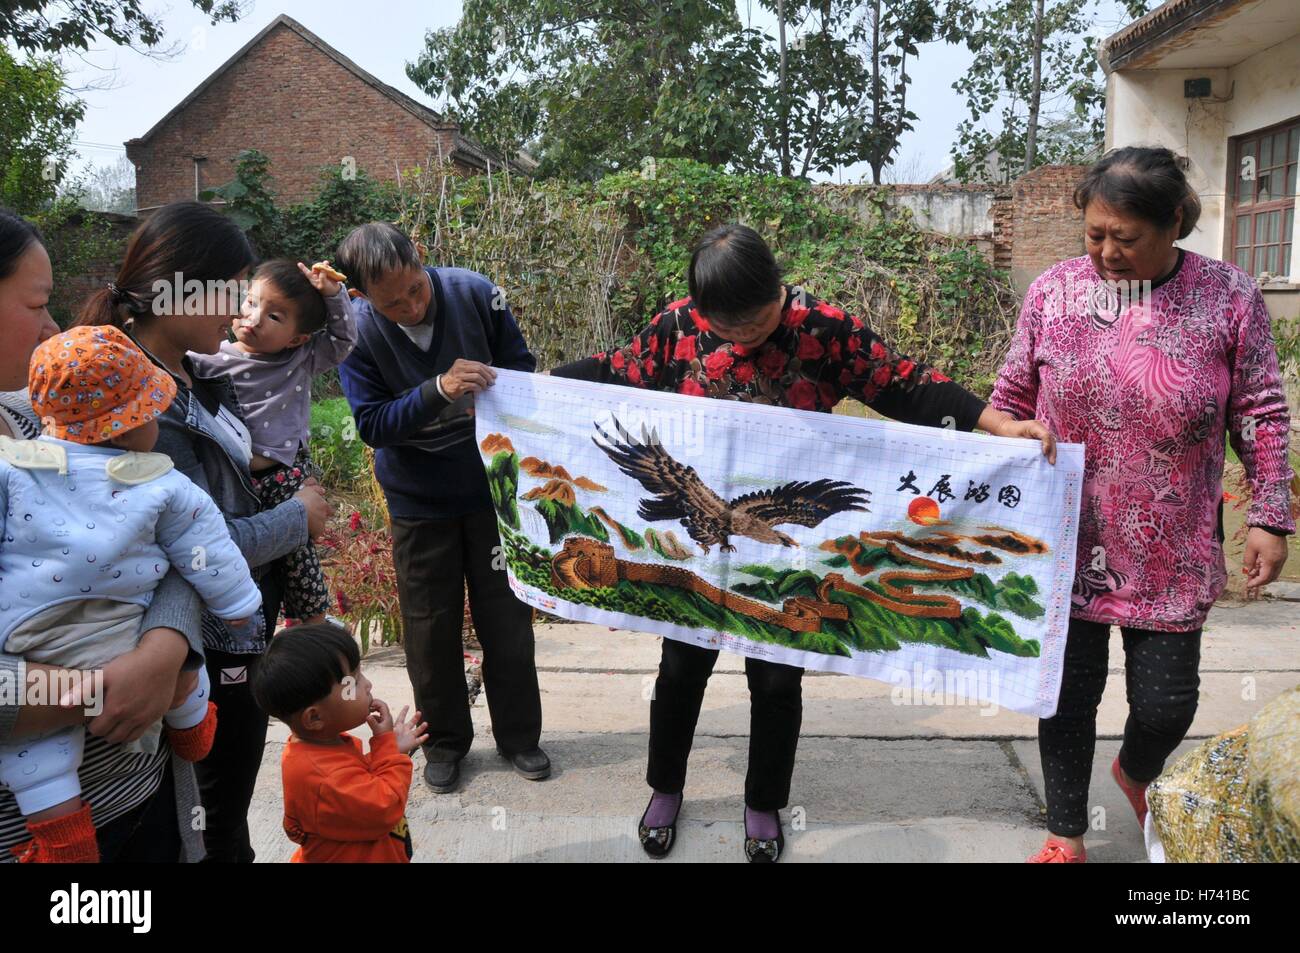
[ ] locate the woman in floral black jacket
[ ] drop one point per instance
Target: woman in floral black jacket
(743, 335)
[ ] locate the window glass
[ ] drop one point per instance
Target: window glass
(1279, 148)
(1245, 186)
(1265, 186)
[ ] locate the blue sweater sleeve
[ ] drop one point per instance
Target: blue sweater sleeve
(509, 350)
(384, 418)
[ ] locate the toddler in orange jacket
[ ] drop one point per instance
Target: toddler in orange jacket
(341, 805)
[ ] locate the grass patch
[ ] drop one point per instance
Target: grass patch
(335, 445)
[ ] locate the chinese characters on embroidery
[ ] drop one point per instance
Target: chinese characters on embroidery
(1008, 495)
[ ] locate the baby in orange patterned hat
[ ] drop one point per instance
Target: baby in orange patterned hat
(90, 522)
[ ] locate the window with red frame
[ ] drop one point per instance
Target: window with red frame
(1263, 199)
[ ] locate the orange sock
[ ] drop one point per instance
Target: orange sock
(61, 840)
(193, 744)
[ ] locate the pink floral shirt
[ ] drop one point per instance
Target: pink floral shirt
(1149, 386)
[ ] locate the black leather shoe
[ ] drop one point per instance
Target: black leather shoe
(657, 841)
(442, 776)
(533, 765)
(759, 851)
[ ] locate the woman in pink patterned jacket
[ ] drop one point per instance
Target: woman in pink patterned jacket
(1146, 353)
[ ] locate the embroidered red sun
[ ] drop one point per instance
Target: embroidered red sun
(923, 511)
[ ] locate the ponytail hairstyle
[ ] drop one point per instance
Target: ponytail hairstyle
(1144, 181)
(187, 238)
(16, 236)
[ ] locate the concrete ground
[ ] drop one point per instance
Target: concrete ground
(875, 781)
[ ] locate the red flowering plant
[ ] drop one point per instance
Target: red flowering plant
(356, 553)
(357, 556)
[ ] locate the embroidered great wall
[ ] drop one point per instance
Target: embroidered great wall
(586, 563)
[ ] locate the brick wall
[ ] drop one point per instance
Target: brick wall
(1044, 226)
(1023, 228)
(1003, 237)
(86, 251)
(296, 104)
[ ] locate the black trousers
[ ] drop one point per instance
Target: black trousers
(1162, 682)
(775, 715)
(435, 560)
(149, 834)
(228, 774)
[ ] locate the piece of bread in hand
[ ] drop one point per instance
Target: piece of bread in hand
(325, 269)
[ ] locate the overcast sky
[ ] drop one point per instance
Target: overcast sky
(144, 89)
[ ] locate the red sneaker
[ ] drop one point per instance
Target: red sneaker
(1136, 794)
(61, 840)
(1058, 852)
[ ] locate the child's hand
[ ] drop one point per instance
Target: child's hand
(319, 275)
(380, 718)
(410, 735)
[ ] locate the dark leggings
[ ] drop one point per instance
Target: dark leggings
(1161, 679)
(228, 774)
(775, 714)
(149, 834)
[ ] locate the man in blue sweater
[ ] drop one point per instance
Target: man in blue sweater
(428, 339)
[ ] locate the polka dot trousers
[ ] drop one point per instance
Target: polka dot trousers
(1162, 681)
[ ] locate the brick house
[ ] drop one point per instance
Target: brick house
(293, 96)
(1218, 82)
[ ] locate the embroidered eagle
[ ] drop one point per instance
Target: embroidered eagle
(680, 494)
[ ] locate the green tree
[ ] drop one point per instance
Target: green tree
(250, 200)
(37, 122)
(1034, 91)
(596, 87)
(107, 188)
(895, 32)
(38, 26)
(311, 229)
(314, 229)
(841, 91)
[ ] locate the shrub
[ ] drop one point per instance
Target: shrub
(585, 265)
(335, 446)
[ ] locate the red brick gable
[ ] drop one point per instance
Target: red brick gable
(295, 98)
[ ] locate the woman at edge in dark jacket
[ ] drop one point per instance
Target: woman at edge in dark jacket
(153, 299)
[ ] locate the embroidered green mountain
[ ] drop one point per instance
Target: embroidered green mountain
(869, 628)
(1013, 593)
(503, 484)
(872, 627)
